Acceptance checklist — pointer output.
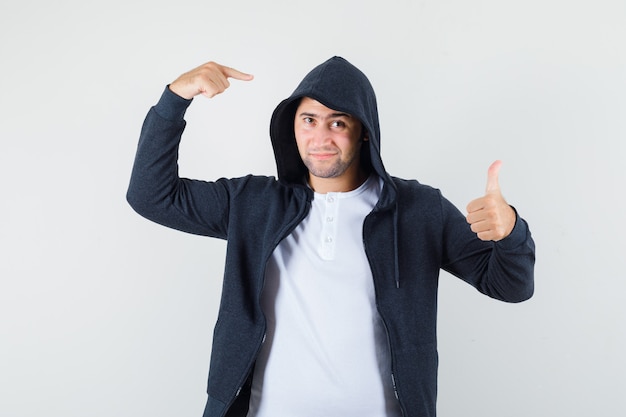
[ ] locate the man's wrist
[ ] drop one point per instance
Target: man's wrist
(171, 106)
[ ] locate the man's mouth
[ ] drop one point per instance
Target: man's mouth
(321, 155)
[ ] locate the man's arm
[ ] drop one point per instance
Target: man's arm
(500, 263)
(155, 190)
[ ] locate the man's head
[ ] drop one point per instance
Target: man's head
(329, 143)
(339, 87)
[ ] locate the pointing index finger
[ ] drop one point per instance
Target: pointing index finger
(236, 74)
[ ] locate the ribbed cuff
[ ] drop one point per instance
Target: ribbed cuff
(171, 106)
(517, 236)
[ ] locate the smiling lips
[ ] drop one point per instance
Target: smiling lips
(322, 154)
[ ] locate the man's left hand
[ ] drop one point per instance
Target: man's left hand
(490, 216)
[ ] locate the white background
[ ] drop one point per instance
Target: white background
(103, 313)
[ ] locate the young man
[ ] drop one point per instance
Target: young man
(330, 289)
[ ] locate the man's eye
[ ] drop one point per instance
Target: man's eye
(338, 123)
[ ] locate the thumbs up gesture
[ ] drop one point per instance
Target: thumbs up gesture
(490, 216)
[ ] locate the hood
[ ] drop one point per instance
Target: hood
(340, 86)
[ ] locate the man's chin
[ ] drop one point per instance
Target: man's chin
(329, 172)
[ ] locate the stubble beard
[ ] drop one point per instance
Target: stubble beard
(321, 169)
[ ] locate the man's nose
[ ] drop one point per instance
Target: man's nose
(322, 135)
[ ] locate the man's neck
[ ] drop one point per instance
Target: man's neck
(339, 184)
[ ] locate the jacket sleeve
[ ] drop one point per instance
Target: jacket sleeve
(503, 270)
(156, 191)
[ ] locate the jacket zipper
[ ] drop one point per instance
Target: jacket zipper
(287, 230)
(384, 321)
(393, 379)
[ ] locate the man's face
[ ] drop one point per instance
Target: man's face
(329, 143)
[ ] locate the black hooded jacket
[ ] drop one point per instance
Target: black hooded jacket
(412, 234)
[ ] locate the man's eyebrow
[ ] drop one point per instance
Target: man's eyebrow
(332, 115)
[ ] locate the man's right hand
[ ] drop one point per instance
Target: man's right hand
(208, 79)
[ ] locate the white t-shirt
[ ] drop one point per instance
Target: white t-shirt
(326, 350)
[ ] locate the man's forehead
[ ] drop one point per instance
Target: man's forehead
(311, 106)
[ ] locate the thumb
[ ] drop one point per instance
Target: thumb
(492, 177)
